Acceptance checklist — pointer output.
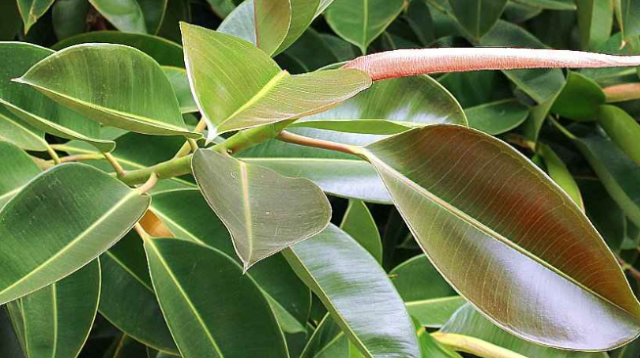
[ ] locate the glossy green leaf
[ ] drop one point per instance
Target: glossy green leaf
(618, 173)
(362, 21)
(358, 294)
(288, 296)
(537, 116)
(69, 17)
(154, 13)
(497, 117)
(455, 225)
(628, 16)
(327, 341)
(477, 17)
(264, 211)
(302, 14)
(35, 108)
(541, 85)
(467, 321)
(359, 224)
(210, 315)
(272, 19)
(128, 299)
(165, 52)
(125, 15)
(595, 19)
(580, 98)
(560, 174)
(56, 320)
(428, 297)
(16, 131)
(217, 63)
(68, 75)
(622, 129)
(180, 83)
(17, 170)
(550, 4)
(32, 10)
(75, 223)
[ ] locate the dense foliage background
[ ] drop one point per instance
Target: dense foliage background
(579, 126)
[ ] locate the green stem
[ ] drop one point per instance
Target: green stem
(54, 156)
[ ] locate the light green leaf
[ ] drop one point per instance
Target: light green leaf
(628, 16)
(264, 211)
(237, 86)
(549, 4)
(623, 130)
(284, 291)
(55, 321)
(165, 52)
(359, 295)
(180, 82)
(16, 131)
(128, 299)
(595, 19)
(211, 315)
(467, 321)
(560, 174)
(580, 98)
(461, 207)
(358, 222)
(75, 223)
(362, 21)
(125, 15)
(139, 101)
(497, 117)
(15, 172)
(302, 14)
(241, 23)
(35, 108)
(32, 10)
(477, 17)
(428, 297)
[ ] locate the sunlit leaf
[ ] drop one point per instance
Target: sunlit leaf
(455, 224)
(560, 174)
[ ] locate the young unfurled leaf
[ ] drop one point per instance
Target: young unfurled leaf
(115, 85)
(37, 109)
(238, 86)
(210, 315)
(58, 223)
(16, 171)
(517, 230)
(55, 321)
(359, 296)
(264, 211)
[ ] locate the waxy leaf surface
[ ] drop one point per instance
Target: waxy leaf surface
(264, 211)
(16, 171)
(116, 85)
(37, 109)
(499, 230)
(357, 292)
(58, 223)
(20, 133)
(238, 86)
(55, 321)
(211, 315)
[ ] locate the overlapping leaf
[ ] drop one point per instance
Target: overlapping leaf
(359, 223)
(16, 171)
(128, 97)
(58, 223)
(32, 10)
(516, 230)
(20, 133)
(479, 16)
(264, 211)
(237, 86)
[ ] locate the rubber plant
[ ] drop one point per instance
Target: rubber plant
(319, 178)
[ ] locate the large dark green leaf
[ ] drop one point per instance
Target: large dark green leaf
(58, 223)
(362, 21)
(622, 129)
(54, 322)
(359, 223)
(497, 117)
(580, 98)
(167, 53)
(37, 109)
(428, 297)
(467, 321)
(211, 315)
(69, 17)
(477, 17)
(16, 171)
(477, 201)
(264, 211)
(238, 86)
(128, 300)
(357, 292)
(32, 10)
(595, 19)
(138, 101)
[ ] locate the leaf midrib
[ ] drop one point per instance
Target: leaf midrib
(486, 230)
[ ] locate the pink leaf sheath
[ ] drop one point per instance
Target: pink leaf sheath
(403, 63)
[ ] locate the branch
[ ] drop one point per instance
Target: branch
(473, 346)
(404, 63)
(289, 137)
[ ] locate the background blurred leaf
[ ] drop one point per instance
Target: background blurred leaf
(595, 19)
(32, 10)
(360, 225)
(477, 16)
